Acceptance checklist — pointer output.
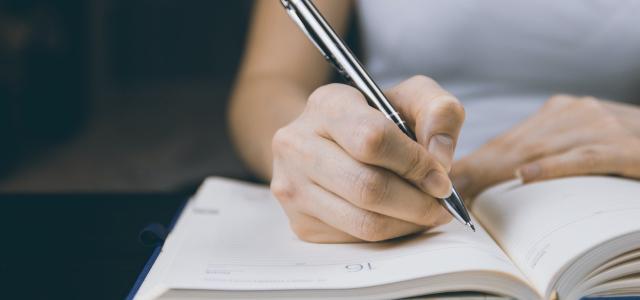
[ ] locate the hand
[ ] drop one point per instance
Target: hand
(345, 173)
(569, 136)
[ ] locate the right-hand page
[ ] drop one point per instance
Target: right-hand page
(546, 226)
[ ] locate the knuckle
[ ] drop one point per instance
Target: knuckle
(283, 189)
(590, 102)
(333, 96)
(302, 231)
(605, 119)
(589, 105)
(371, 227)
(320, 94)
(536, 148)
(419, 165)
(372, 188)
(371, 139)
(609, 122)
(590, 157)
(289, 142)
(559, 100)
(282, 140)
(322, 98)
(422, 81)
(447, 106)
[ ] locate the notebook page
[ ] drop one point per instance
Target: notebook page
(238, 238)
(543, 226)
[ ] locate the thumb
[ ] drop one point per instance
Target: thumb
(435, 115)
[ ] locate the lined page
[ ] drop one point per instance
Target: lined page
(544, 226)
(238, 238)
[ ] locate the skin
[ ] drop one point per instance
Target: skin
(568, 136)
(274, 80)
(340, 167)
(344, 173)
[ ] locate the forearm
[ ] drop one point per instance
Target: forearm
(628, 114)
(260, 105)
(279, 70)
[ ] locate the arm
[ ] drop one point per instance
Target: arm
(341, 171)
(274, 80)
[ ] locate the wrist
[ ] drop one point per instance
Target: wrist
(259, 106)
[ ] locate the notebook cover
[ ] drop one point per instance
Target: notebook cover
(154, 255)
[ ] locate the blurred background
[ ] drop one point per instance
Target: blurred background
(111, 114)
(116, 95)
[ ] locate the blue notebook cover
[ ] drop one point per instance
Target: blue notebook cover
(154, 254)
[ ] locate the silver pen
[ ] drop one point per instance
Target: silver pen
(313, 24)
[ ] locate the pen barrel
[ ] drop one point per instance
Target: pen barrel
(333, 48)
(395, 118)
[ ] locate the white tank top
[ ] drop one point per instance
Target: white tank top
(503, 58)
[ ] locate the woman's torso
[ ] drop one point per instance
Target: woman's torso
(503, 57)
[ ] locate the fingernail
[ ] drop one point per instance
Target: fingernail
(529, 172)
(441, 146)
(438, 184)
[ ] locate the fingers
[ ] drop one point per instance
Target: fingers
(373, 189)
(376, 141)
(435, 114)
(311, 229)
(372, 139)
(329, 218)
(305, 226)
(343, 172)
(562, 124)
(354, 221)
(582, 161)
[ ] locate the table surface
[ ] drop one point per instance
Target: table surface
(77, 246)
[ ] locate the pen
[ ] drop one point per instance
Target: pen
(334, 50)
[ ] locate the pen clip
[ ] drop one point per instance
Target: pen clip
(293, 13)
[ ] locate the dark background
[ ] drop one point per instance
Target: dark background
(111, 114)
(116, 95)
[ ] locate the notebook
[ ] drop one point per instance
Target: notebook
(559, 239)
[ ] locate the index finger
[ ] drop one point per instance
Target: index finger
(435, 115)
(370, 138)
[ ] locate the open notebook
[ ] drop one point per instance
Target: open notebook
(568, 238)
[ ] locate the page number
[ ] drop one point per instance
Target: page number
(359, 267)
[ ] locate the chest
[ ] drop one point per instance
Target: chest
(566, 43)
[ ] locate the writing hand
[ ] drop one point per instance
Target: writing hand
(345, 173)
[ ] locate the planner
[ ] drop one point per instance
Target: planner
(559, 239)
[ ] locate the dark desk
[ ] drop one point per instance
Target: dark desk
(76, 246)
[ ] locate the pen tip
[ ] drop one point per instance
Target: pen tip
(472, 227)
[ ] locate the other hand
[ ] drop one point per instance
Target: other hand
(568, 136)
